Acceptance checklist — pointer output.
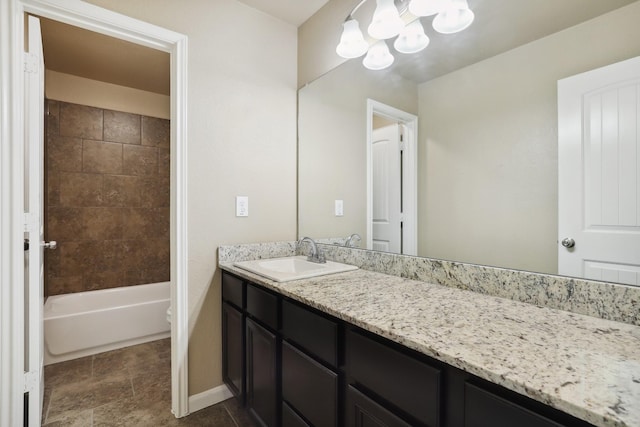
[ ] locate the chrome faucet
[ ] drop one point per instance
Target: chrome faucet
(316, 253)
(352, 241)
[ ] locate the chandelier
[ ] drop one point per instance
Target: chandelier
(387, 22)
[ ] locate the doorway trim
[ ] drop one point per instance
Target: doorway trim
(116, 25)
(410, 174)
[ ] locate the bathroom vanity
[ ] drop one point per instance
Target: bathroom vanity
(368, 349)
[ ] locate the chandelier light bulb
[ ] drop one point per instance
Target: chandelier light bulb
(386, 21)
(412, 38)
(378, 57)
(427, 7)
(352, 43)
(456, 17)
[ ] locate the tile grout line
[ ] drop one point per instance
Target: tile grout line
(46, 415)
(230, 415)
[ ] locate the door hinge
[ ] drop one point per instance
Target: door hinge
(27, 222)
(30, 381)
(31, 62)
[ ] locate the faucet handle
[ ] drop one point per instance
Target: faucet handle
(352, 240)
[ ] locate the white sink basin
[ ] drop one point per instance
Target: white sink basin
(292, 268)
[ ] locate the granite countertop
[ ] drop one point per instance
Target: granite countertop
(582, 365)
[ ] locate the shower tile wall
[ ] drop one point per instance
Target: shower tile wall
(107, 201)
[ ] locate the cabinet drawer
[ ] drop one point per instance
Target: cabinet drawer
(316, 334)
(290, 418)
(233, 290)
(364, 412)
(408, 384)
(485, 409)
(263, 306)
(309, 387)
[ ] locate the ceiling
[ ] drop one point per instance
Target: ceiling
(500, 25)
(294, 12)
(72, 50)
(79, 52)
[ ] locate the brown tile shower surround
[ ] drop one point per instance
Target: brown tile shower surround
(107, 201)
(126, 387)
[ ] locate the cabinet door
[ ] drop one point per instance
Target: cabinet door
(397, 378)
(262, 374)
(290, 418)
(309, 387)
(364, 412)
(485, 409)
(233, 350)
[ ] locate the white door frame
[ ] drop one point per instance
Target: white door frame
(106, 22)
(410, 174)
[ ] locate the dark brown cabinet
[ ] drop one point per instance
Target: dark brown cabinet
(262, 374)
(290, 418)
(364, 412)
(309, 387)
(294, 366)
(233, 354)
(400, 380)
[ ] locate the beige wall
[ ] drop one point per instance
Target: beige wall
(488, 146)
(78, 90)
(241, 141)
(332, 132)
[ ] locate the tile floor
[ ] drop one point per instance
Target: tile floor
(125, 387)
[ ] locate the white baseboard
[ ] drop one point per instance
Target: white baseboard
(208, 398)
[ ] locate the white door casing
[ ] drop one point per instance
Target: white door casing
(599, 173)
(409, 123)
(386, 209)
(12, 299)
(34, 218)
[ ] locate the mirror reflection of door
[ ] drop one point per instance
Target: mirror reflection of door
(392, 180)
(386, 151)
(599, 174)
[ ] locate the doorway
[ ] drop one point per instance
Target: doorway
(391, 179)
(105, 22)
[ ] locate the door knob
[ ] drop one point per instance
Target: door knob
(50, 245)
(568, 242)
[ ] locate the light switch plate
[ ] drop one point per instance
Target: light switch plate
(339, 208)
(242, 206)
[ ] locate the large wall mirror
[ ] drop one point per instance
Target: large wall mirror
(487, 137)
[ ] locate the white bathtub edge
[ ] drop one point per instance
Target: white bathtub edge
(209, 397)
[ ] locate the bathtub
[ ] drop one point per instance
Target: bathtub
(86, 323)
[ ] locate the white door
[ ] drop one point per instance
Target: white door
(599, 174)
(387, 190)
(34, 228)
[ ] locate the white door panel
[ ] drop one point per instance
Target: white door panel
(34, 282)
(387, 229)
(599, 173)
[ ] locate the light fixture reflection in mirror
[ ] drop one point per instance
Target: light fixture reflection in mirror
(352, 43)
(388, 21)
(455, 18)
(412, 39)
(378, 57)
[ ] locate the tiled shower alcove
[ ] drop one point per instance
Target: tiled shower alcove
(107, 198)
